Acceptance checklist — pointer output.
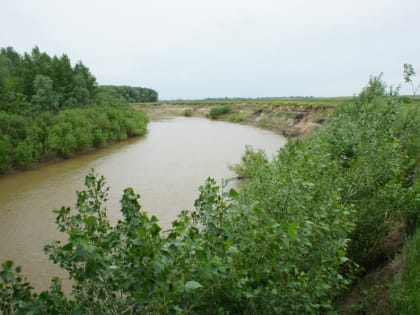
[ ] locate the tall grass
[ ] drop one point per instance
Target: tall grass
(405, 297)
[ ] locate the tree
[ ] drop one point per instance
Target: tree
(45, 98)
(80, 94)
(90, 80)
(13, 64)
(374, 89)
(4, 75)
(62, 76)
(409, 73)
(12, 98)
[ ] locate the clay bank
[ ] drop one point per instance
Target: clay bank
(290, 120)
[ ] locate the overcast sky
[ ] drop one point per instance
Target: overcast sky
(216, 48)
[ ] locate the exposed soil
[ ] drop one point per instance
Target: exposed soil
(291, 121)
(371, 293)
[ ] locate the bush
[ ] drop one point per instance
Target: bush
(288, 243)
(251, 162)
(188, 112)
(26, 140)
(224, 256)
(217, 111)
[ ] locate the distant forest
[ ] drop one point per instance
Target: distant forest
(50, 109)
(128, 93)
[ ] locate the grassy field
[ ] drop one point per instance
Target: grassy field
(304, 101)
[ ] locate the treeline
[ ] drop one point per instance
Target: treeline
(290, 242)
(49, 108)
(36, 82)
(129, 94)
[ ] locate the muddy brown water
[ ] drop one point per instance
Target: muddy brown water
(165, 167)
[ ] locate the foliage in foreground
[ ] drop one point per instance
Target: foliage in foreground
(206, 263)
(286, 244)
(367, 155)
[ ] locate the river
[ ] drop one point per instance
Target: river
(166, 167)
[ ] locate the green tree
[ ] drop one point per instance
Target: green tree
(4, 76)
(62, 76)
(45, 98)
(36, 63)
(90, 81)
(129, 93)
(375, 89)
(6, 153)
(79, 95)
(14, 66)
(409, 73)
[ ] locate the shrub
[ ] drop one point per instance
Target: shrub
(225, 256)
(26, 140)
(251, 162)
(217, 111)
(188, 112)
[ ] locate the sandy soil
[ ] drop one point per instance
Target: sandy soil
(291, 121)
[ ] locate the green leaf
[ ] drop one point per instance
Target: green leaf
(67, 247)
(7, 265)
(292, 230)
(90, 221)
(233, 250)
(141, 297)
(233, 193)
(192, 285)
(6, 276)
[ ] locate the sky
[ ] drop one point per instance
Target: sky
(193, 49)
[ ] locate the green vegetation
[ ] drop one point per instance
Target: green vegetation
(50, 109)
(25, 141)
(217, 111)
(302, 227)
(36, 82)
(409, 73)
(188, 112)
(405, 293)
(322, 102)
(281, 101)
(251, 160)
(128, 93)
(406, 290)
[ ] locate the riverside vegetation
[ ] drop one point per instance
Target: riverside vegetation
(49, 109)
(301, 230)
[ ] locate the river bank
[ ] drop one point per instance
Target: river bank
(375, 284)
(313, 201)
(153, 165)
(287, 120)
(27, 141)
